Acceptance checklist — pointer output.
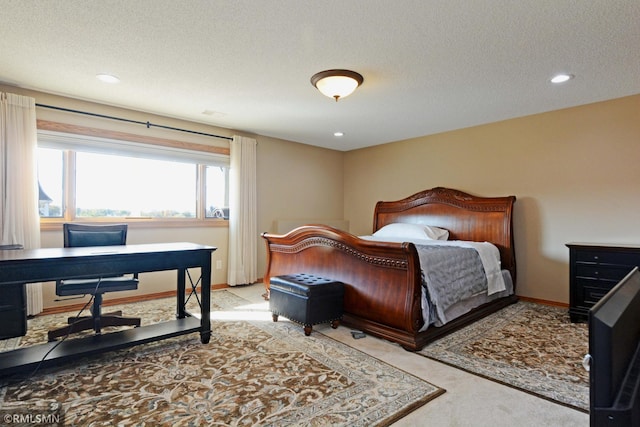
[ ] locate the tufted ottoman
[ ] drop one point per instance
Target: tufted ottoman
(306, 299)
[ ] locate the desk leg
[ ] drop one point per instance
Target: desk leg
(180, 311)
(205, 294)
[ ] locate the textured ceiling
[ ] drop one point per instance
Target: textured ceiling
(429, 66)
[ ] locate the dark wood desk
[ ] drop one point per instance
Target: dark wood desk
(50, 264)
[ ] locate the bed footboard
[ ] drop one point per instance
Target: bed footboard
(382, 280)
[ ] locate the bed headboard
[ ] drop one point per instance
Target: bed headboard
(466, 217)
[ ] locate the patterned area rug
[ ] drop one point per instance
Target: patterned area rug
(253, 373)
(150, 312)
(528, 346)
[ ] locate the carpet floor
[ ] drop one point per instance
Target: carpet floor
(253, 372)
(527, 346)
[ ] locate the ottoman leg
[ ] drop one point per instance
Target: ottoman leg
(307, 330)
(274, 317)
(335, 323)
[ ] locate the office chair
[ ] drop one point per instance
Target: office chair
(79, 235)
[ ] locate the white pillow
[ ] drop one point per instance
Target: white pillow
(412, 231)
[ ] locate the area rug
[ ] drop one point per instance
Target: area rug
(531, 347)
(253, 373)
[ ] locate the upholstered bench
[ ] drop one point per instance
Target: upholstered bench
(306, 299)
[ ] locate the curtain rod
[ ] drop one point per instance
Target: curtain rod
(147, 124)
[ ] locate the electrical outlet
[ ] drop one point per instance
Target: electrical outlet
(219, 264)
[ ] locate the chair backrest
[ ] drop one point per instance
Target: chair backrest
(77, 235)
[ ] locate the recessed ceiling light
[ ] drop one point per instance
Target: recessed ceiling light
(107, 78)
(561, 78)
(338, 134)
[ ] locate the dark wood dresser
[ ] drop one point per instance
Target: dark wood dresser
(594, 269)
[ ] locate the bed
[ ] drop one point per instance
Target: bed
(385, 294)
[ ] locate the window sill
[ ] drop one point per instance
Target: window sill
(52, 224)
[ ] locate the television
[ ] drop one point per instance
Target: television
(614, 355)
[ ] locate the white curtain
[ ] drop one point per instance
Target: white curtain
(19, 217)
(243, 228)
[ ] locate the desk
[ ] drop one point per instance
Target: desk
(50, 264)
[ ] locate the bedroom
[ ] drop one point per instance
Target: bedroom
(567, 169)
(570, 210)
(573, 170)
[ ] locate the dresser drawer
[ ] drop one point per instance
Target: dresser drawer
(603, 257)
(588, 292)
(603, 272)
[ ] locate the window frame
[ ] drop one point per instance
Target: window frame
(139, 141)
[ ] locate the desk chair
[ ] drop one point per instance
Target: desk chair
(78, 235)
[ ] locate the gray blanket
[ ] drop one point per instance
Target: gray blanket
(450, 274)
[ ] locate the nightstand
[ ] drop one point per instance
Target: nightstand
(594, 269)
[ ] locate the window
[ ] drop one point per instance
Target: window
(51, 181)
(217, 196)
(87, 177)
(121, 186)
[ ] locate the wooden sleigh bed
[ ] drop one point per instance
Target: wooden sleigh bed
(383, 281)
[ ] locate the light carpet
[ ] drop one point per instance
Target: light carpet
(531, 347)
(253, 373)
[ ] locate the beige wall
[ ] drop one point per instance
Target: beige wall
(296, 182)
(575, 173)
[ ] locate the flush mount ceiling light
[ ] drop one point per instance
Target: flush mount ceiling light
(336, 83)
(561, 78)
(107, 78)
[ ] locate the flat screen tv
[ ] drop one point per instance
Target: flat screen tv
(614, 370)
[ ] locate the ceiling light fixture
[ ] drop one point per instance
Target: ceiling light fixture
(561, 78)
(336, 83)
(107, 78)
